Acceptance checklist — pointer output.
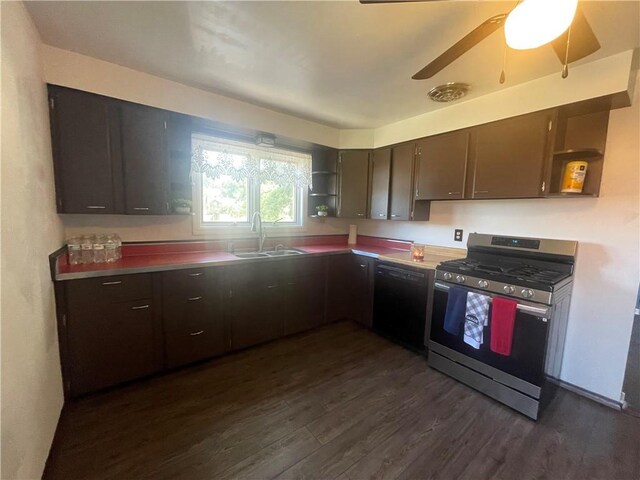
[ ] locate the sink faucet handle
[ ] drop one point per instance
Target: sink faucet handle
(279, 246)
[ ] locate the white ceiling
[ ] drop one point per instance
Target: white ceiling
(342, 64)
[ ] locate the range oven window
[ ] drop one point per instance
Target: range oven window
(528, 348)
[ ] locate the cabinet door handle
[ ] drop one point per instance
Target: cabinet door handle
(360, 214)
(112, 283)
(141, 208)
(140, 307)
(362, 265)
(272, 286)
(195, 274)
(193, 299)
(481, 191)
(96, 207)
(458, 193)
(193, 334)
(417, 192)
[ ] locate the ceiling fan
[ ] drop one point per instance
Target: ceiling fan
(530, 24)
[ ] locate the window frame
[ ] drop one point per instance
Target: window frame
(200, 227)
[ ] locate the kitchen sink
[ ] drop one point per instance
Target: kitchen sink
(281, 253)
(251, 255)
(272, 253)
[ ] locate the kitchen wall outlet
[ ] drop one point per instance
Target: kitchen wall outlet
(457, 235)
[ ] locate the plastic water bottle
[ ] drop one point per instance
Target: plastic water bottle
(86, 248)
(98, 249)
(111, 248)
(74, 251)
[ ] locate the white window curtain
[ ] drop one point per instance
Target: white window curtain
(217, 157)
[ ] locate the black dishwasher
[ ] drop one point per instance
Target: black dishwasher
(400, 304)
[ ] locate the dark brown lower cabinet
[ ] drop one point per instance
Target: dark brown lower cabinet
(192, 315)
(363, 278)
(111, 345)
(304, 294)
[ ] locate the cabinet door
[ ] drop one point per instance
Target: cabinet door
(304, 303)
(401, 198)
(110, 344)
(179, 157)
(353, 183)
(380, 178)
(441, 166)
(144, 155)
(340, 287)
(510, 156)
(256, 314)
(192, 316)
(364, 271)
(88, 169)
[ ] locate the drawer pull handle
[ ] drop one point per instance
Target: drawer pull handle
(291, 283)
(112, 283)
(382, 214)
(193, 299)
(96, 207)
(393, 215)
(140, 307)
(193, 334)
(481, 191)
(362, 265)
(195, 274)
(272, 286)
(457, 193)
(360, 214)
(141, 208)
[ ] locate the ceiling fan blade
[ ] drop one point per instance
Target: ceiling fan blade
(461, 47)
(583, 41)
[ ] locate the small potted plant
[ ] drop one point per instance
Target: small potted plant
(323, 210)
(181, 205)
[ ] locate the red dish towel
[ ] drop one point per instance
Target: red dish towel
(503, 315)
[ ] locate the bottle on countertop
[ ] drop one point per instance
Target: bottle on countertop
(74, 251)
(111, 249)
(99, 255)
(86, 248)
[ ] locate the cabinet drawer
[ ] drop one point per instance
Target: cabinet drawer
(189, 283)
(185, 347)
(122, 288)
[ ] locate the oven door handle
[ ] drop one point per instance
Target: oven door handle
(542, 312)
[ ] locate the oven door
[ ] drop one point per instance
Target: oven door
(523, 369)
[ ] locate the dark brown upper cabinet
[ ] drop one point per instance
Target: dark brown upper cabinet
(115, 157)
(509, 156)
(353, 183)
(380, 183)
(441, 166)
(85, 137)
(401, 194)
(144, 153)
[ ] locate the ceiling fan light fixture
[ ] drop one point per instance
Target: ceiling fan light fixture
(448, 92)
(533, 23)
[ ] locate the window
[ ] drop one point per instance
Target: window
(234, 180)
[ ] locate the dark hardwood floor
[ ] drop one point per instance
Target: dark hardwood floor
(338, 402)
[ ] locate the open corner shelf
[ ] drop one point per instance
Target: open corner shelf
(585, 154)
(569, 195)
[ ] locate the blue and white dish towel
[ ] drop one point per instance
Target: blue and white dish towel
(476, 318)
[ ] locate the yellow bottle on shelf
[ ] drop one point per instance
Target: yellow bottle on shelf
(573, 179)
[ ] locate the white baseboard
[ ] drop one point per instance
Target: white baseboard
(615, 404)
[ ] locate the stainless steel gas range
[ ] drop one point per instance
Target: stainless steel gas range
(531, 276)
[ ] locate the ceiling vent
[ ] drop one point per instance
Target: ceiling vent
(448, 92)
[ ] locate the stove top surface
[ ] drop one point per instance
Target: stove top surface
(507, 270)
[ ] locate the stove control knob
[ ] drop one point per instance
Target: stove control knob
(460, 278)
(509, 289)
(483, 283)
(527, 293)
(447, 276)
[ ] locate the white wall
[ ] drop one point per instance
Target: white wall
(31, 384)
(607, 271)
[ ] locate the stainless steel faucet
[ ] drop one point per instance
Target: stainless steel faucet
(256, 226)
